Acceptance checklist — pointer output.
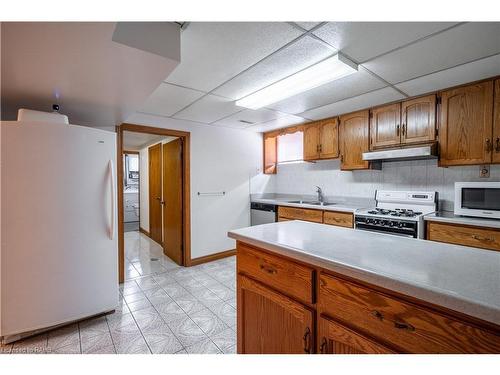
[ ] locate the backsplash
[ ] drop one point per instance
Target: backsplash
(302, 178)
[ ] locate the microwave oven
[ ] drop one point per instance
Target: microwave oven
(477, 199)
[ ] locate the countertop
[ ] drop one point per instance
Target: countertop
(457, 277)
(341, 205)
(450, 217)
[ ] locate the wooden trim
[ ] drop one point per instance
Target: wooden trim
(130, 152)
(144, 231)
(212, 257)
(186, 157)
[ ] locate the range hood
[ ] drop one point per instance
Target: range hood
(410, 153)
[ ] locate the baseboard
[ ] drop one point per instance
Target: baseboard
(144, 231)
(212, 257)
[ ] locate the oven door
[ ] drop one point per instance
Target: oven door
(477, 199)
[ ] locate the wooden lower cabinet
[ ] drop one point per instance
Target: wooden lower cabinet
(336, 338)
(484, 238)
(293, 213)
(340, 219)
(271, 323)
(343, 315)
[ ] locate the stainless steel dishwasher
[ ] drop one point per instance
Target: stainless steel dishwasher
(262, 213)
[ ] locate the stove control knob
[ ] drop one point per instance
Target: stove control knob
(401, 224)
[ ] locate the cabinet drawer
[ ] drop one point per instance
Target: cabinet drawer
(463, 235)
(341, 219)
(294, 213)
(291, 278)
(409, 327)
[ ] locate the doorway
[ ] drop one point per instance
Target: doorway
(165, 214)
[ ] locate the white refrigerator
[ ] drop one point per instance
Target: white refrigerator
(59, 255)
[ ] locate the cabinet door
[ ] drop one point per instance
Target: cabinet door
(335, 338)
(311, 141)
(385, 126)
(271, 323)
(270, 153)
(496, 124)
(354, 140)
(329, 139)
(418, 120)
(466, 125)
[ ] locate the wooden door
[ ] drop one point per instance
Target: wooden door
(496, 124)
(173, 202)
(336, 338)
(418, 120)
(271, 323)
(311, 141)
(154, 171)
(466, 125)
(354, 140)
(329, 139)
(385, 126)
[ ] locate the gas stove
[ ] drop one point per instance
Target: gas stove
(398, 212)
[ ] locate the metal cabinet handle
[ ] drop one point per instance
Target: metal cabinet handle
(268, 269)
(497, 147)
(323, 346)
(397, 130)
(307, 341)
(341, 158)
(403, 130)
(320, 148)
(481, 238)
(377, 314)
(489, 146)
(402, 325)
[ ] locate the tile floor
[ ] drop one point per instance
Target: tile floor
(163, 308)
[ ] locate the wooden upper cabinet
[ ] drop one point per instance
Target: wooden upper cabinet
(329, 139)
(495, 157)
(311, 141)
(321, 140)
(335, 338)
(271, 323)
(270, 153)
(466, 125)
(385, 126)
(418, 120)
(354, 140)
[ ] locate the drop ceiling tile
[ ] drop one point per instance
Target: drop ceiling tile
(355, 84)
(470, 72)
(301, 54)
(249, 117)
(365, 40)
(307, 25)
(377, 97)
(459, 45)
(208, 109)
(213, 52)
(168, 99)
(281, 122)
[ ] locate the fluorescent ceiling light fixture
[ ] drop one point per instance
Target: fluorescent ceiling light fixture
(328, 70)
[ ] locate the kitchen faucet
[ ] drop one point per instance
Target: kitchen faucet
(321, 198)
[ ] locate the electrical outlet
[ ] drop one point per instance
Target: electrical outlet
(484, 171)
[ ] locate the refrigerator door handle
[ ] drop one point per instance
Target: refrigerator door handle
(113, 203)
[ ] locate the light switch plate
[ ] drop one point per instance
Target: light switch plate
(484, 171)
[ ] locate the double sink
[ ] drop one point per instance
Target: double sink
(314, 203)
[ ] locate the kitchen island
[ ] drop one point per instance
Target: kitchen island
(307, 287)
